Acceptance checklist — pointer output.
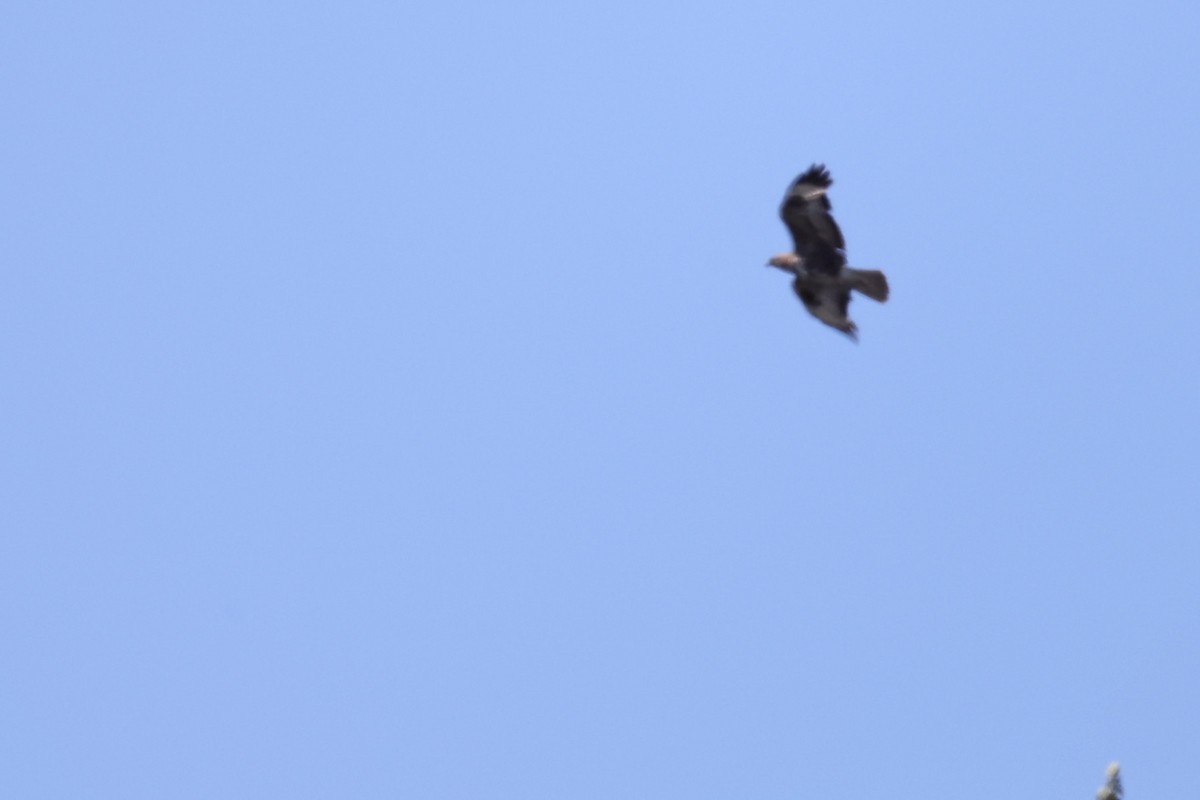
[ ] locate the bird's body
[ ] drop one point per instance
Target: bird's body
(822, 280)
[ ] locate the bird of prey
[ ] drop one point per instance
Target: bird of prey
(822, 280)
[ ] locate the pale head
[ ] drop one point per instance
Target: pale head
(788, 262)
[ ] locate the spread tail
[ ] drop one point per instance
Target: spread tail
(870, 282)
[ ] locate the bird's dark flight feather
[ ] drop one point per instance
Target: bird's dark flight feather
(815, 234)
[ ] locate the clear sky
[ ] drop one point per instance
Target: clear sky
(396, 403)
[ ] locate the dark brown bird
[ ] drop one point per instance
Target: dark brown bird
(822, 280)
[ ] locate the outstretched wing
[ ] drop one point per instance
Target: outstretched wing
(805, 212)
(830, 304)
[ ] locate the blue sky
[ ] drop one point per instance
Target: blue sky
(397, 404)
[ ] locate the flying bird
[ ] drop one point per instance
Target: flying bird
(822, 280)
